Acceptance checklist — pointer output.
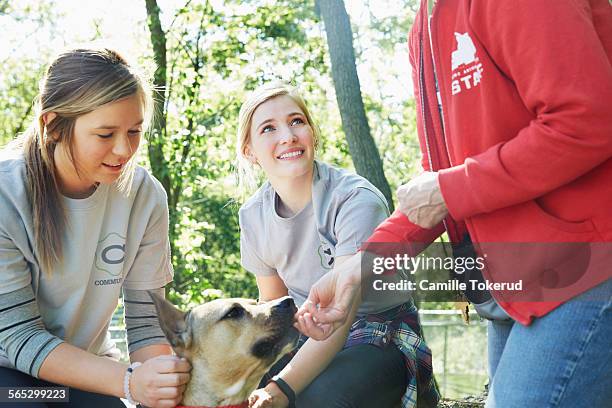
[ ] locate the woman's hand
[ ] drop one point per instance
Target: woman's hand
(330, 300)
(421, 200)
(269, 397)
(160, 381)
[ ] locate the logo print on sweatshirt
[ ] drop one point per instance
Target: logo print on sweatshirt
(466, 66)
(326, 255)
(111, 254)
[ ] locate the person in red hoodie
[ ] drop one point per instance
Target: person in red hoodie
(515, 128)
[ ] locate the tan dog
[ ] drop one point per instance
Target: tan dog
(230, 343)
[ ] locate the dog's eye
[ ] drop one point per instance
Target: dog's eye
(235, 312)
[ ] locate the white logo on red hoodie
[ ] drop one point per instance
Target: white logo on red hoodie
(470, 74)
(465, 52)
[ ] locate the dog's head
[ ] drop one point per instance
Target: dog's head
(231, 343)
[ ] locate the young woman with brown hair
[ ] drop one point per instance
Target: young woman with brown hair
(80, 222)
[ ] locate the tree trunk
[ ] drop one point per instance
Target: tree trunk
(157, 131)
(348, 94)
(157, 134)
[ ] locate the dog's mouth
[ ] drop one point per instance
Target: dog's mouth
(281, 342)
(281, 336)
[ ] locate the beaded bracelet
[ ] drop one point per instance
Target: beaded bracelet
(126, 382)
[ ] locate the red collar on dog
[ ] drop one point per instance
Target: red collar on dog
(245, 404)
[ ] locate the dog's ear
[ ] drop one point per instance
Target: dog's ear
(173, 323)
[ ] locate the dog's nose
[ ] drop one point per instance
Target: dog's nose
(285, 304)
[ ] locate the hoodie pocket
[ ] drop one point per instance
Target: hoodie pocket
(555, 222)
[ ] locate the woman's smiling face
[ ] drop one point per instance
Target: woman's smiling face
(281, 139)
(104, 141)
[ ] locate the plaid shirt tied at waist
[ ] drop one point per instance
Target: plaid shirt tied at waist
(400, 326)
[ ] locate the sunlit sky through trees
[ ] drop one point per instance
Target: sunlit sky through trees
(122, 24)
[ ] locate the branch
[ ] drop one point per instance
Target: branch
(169, 93)
(178, 13)
(19, 128)
(184, 48)
(200, 32)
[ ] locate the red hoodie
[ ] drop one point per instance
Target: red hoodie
(522, 132)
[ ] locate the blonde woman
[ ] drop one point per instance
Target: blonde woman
(79, 224)
(307, 217)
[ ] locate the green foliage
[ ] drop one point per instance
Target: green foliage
(4, 7)
(395, 135)
(459, 354)
(18, 88)
(214, 58)
(20, 71)
(210, 249)
(217, 51)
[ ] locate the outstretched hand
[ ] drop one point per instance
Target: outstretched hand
(330, 300)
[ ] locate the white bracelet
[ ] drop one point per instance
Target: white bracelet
(126, 382)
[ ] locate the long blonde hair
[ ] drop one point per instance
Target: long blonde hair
(76, 82)
(247, 177)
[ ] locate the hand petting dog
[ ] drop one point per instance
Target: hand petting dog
(160, 381)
